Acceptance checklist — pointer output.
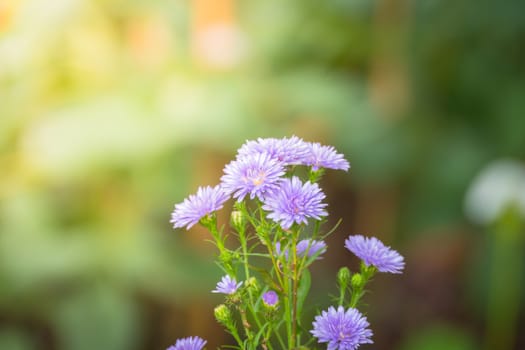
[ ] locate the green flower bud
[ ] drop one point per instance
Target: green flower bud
(237, 220)
(222, 314)
(357, 281)
(236, 217)
(343, 277)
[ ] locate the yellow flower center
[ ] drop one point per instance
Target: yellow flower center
(258, 180)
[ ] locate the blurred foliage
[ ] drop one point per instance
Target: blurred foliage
(111, 111)
(437, 337)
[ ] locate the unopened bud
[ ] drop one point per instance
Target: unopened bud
(222, 314)
(237, 220)
(357, 281)
(343, 276)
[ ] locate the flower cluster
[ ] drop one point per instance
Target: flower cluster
(259, 172)
(273, 209)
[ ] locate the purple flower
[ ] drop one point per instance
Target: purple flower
(287, 151)
(278, 251)
(255, 175)
(227, 285)
(195, 207)
(190, 343)
(373, 252)
(311, 246)
(341, 330)
(320, 156)
(270, 298)
(295, 202)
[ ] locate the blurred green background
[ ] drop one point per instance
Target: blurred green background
(113, 111)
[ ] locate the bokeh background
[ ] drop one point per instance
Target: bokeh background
(113, 111)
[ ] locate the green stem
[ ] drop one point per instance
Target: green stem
(505, 276)
(342, 292)
(295, 280)
(356, 295)
(211, 224)
(245, 324)
(275, 263)
(266, 342)
(288, 307)
(244, 246)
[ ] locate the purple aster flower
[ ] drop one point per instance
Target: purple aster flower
(270, 298)
(255, 175)
(312, 246)
(373, 252)
(287, 151)
(320, 156)
(190, 343)
(227, 285)
(295, 202)
(342, 330)
(206, 201)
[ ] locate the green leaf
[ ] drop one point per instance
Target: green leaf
(302, 292)
(257, 339)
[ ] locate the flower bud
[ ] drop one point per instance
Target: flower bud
(237, 220)
(343, 277)
(270, 299)
(222, 314)
(357, 281)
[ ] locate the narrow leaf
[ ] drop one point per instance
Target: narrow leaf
(302, 292)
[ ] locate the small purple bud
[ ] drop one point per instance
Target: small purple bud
(270, 298)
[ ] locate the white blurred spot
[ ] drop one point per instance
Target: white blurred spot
(499, 185)
(219, 46)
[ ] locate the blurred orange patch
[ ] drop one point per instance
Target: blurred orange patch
(149, 40)
(7, 10)
(216, 38)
